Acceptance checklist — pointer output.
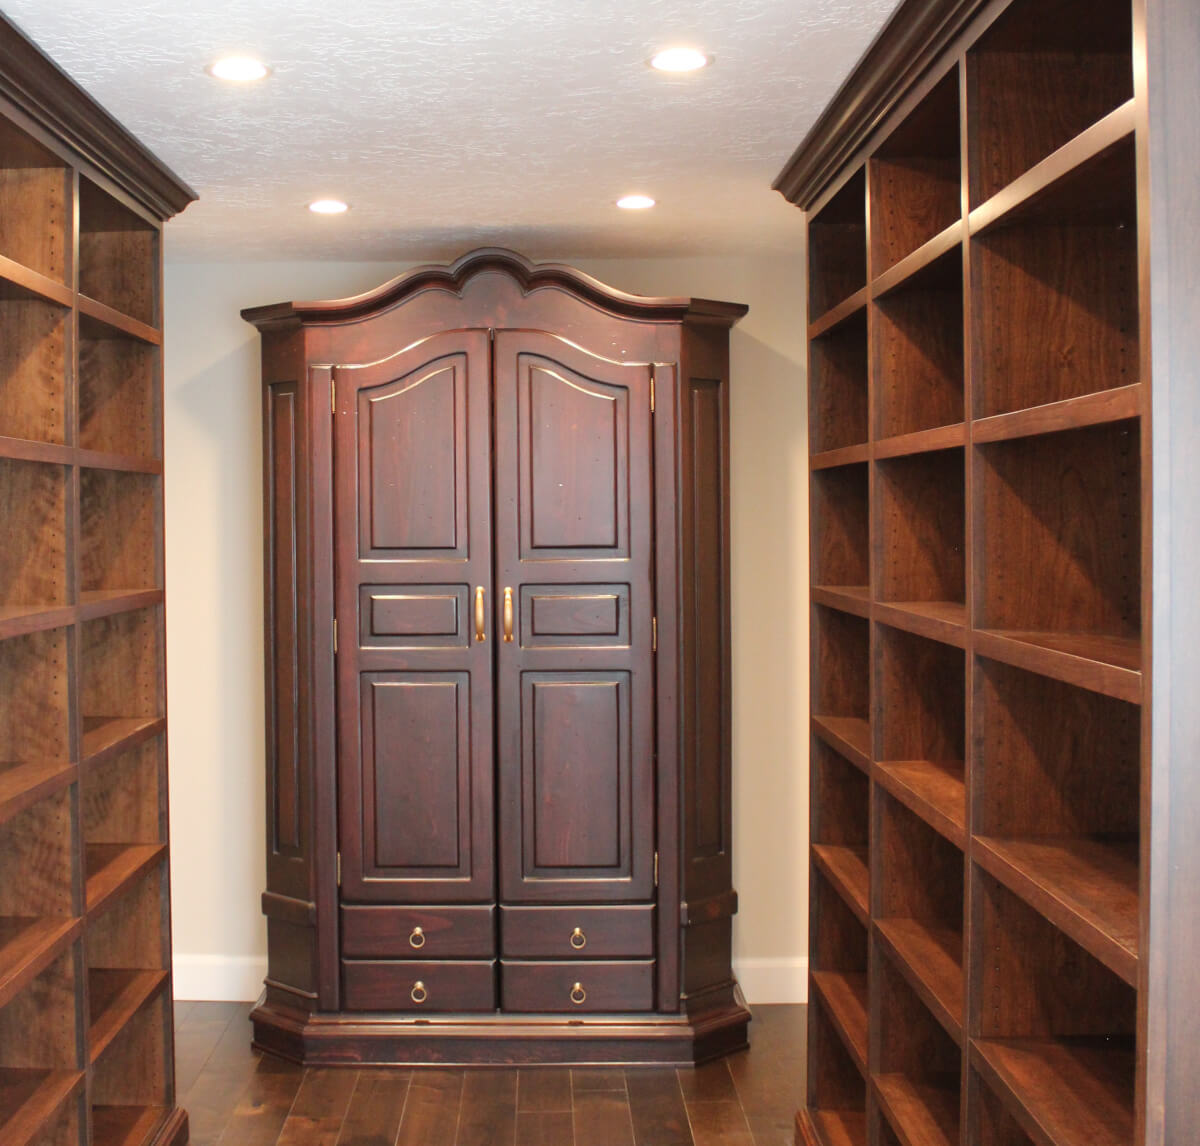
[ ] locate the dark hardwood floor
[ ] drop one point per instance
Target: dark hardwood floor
(237, 1097)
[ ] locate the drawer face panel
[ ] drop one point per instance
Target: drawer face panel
(577, 932)
(582, 988)
(379, 985)
(418, 933)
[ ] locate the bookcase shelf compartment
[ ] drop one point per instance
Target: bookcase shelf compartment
(837, 1088)
(130, 1076)
(841, 519)
(916, 178)
(118, 397)
(917, 349)
(841, 665)
(1056, 1027)
(1042, 74)
(1061, 541)
(33, 367)
(33, 560)
(121, 658)
(35, 204)
(119, 522)
(118, 255)
(837, 247)
(1056, 291)
(994, 1125)
(838, 367)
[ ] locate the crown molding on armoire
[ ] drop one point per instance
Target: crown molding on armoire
(566, 568)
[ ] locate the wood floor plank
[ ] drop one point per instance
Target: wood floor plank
(545, 1128)
(597, 1078)
(320, 1108)
(770, 1078)
(197, 1037)
(431, 1110)
(546, 1090)
(721, 1123)
(259, 1116)
(488, 1114)
(376, 1107)
(223, 1079)
(602, 1118)
(711, 1082)
(657, 1109)
(773, 1129)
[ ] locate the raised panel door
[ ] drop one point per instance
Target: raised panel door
(413, 548)
(575, 688)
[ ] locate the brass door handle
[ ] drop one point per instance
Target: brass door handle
(578, 995)
(480, 616)
(418, 994)
(417, 938)
(578, 940)
(508, 615)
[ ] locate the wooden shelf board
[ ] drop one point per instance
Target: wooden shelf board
(1086, 888)
(836, 315)
(125, 1125)
(1117, 405)
(846, 868)
(33, 284)
(844, 995)
(846, 456)
(944, 621)
(934, 790)
(922, 441)
(921, 1113)
(28, 945)
(24, 784)
(29, 1098)
(1106, 664)
(126, 463)
(113, 867)
(1021, 196)
(114, 997)
(930, 958)
(95, 603)
(921, 259)
(854, 599)
(19, 620)
(97, 320)
(108, 736)
(1063, 1092)
(28, 450)
(837, 1127)
(850, 736)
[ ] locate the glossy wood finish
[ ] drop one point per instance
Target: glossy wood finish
(86, 1053)
(547, 459)
(991, 676)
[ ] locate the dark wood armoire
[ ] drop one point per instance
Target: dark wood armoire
(498, 700)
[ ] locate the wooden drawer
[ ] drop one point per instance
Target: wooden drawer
(578, 987)
(386, 985)
(425, 933)
(577, 932)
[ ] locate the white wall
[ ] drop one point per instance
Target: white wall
(214, 591)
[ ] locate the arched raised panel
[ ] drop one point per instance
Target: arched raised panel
(412, 437)
(575, 454)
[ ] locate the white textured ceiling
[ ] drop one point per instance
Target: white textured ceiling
(453, 123)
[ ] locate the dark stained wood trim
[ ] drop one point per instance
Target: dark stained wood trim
(289, 909)
(531, 276)
(45, 93)
(910, 42)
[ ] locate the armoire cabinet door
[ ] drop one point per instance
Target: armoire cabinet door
(413, 547)
(575, 685)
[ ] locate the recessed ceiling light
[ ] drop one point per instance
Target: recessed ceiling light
(680, 60)
(328, 206)
(635, 202)
(238, 69)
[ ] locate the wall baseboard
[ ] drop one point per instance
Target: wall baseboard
(782, 980)
(219, 978)
(230, 978)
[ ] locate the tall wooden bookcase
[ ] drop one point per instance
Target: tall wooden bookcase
(86, 1052)
(981, 314)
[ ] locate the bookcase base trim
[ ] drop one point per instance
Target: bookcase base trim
(175, 1129)
(460, 1040)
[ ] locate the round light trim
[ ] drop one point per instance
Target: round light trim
(328, 207)
(238, 69)
(678, 60)
(635, 202)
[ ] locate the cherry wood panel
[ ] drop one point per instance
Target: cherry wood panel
(386, 985)
(577, 932)
(418, 932)
(592, 987)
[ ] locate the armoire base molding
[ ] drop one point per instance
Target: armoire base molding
(500, 1040)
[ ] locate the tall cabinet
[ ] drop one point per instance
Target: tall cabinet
(497, 554)
(1002, 238)
(86, 1051)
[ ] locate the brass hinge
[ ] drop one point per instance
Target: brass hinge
(656, 869)
(339, 869)
(654, 635)
(333, 395)
(335, 634)
(652, 392)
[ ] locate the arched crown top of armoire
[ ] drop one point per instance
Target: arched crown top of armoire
(528, 276)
